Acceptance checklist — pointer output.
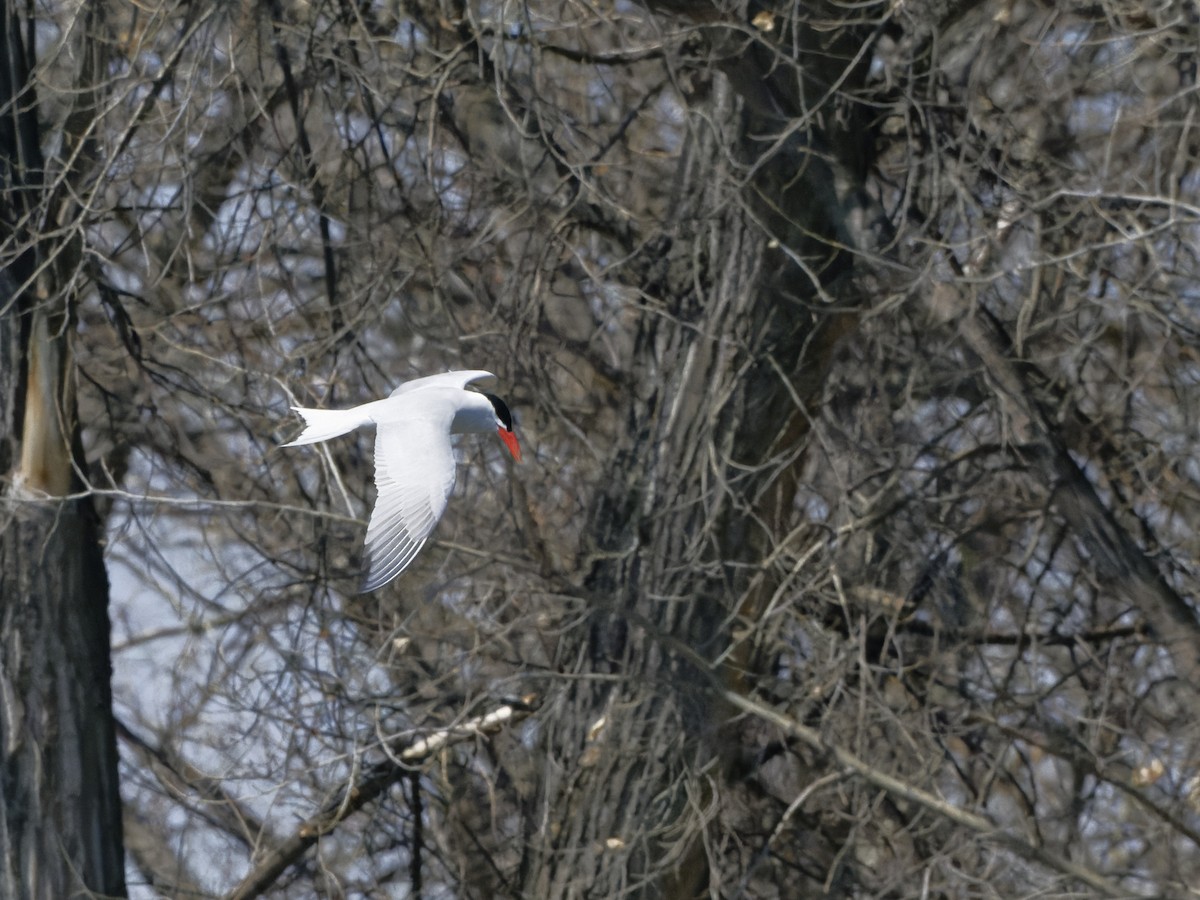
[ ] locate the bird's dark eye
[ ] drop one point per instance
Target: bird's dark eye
(502, 412)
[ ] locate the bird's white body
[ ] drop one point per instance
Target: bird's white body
(414, 461)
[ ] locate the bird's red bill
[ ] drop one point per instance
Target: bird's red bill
(510, 441)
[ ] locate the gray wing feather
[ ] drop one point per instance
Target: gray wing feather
(459, 379)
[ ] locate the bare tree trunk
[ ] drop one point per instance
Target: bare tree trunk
(697, 496)
(60, 831)
(61, 825)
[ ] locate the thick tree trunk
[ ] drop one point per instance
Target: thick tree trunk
(60, 810)
(60, 831)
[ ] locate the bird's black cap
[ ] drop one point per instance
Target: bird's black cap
(501, 408)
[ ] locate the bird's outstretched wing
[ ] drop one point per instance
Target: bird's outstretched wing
(458, 379)
(414, 475)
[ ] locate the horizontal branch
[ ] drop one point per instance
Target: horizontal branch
(1026, 639)
(608, 57)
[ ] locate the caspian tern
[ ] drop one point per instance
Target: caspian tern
(414, 463)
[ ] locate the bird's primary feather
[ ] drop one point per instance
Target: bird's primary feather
(414, 475)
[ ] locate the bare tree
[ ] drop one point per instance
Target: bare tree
(60, 833)
(852, 348)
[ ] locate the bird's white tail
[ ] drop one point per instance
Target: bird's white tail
(323, 424)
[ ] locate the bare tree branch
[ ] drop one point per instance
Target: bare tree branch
(403, 754)
(901, 790)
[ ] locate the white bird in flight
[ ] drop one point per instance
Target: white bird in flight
(414, 462)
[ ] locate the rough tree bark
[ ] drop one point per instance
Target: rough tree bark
(60, 831)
